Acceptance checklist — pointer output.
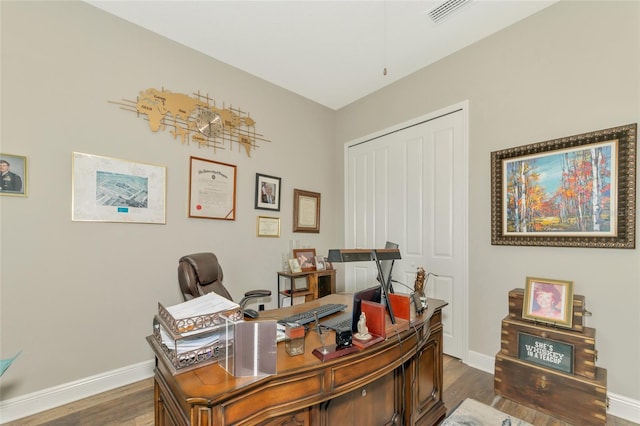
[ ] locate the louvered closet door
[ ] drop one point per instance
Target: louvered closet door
(409, 186)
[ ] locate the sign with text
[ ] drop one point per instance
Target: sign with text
(545, 352)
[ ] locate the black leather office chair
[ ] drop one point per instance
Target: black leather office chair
(200, 273)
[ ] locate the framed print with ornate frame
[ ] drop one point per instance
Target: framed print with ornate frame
(577, 191)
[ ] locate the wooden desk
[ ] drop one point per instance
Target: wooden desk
(395, 382)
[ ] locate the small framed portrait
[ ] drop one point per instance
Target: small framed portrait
(307, 258)
(295, 266)
(548, 301)
(13, 175)
(267, 192)
(320, 263)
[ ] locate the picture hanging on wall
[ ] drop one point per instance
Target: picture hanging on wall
(267, 192)
(13, 175)
(108, 189)
(212, 189)
(577, 191)
(306, 211)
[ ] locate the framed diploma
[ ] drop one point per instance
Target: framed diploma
(306, 211)
(268, 226)
(212, 189)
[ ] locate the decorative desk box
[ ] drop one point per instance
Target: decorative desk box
(571, 398)
(190, 349)
(190, 334)
(516, 302)
(204, 313)
(250, 348)
(555, 348)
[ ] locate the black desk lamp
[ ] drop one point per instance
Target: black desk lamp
(367, 255)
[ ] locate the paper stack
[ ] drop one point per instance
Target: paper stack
(192, 333)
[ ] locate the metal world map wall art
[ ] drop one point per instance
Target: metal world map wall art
(195, 118)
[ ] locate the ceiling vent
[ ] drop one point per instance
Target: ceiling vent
(446, 9)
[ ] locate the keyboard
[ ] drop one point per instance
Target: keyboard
(340, 322)
(306, 317)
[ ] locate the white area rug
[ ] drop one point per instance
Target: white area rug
(473, 413)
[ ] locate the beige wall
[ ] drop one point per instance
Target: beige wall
(570, 69)
(77, 297)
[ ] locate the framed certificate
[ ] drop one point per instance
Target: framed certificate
(212, 189)
(306, 211)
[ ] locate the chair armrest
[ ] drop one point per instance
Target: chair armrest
(258, 293)
(252, 295)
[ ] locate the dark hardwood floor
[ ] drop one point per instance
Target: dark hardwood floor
(132, 405)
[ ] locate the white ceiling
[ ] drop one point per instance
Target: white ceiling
(332, 52)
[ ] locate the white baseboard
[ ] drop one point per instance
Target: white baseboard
(27, 405)
(619, 406)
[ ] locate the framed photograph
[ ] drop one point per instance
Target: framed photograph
(108, 189)
(295, 266)
(306, 257)
(306, 211)
(577, 191)
(268, 226)
(13, 175)
(267, 192)
(212, 189)
(320, 263)
(548, 301)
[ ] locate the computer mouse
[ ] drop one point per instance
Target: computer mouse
(251, 313)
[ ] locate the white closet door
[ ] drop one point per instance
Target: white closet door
(409, 186)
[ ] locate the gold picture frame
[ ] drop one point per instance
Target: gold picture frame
(548, 301)
(576, 191)
(268, 226)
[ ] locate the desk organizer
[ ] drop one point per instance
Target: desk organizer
(197, 322)
(192, 341)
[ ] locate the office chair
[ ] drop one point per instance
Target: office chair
(200, 273)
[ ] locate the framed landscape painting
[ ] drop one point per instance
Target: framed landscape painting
(577, 191)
